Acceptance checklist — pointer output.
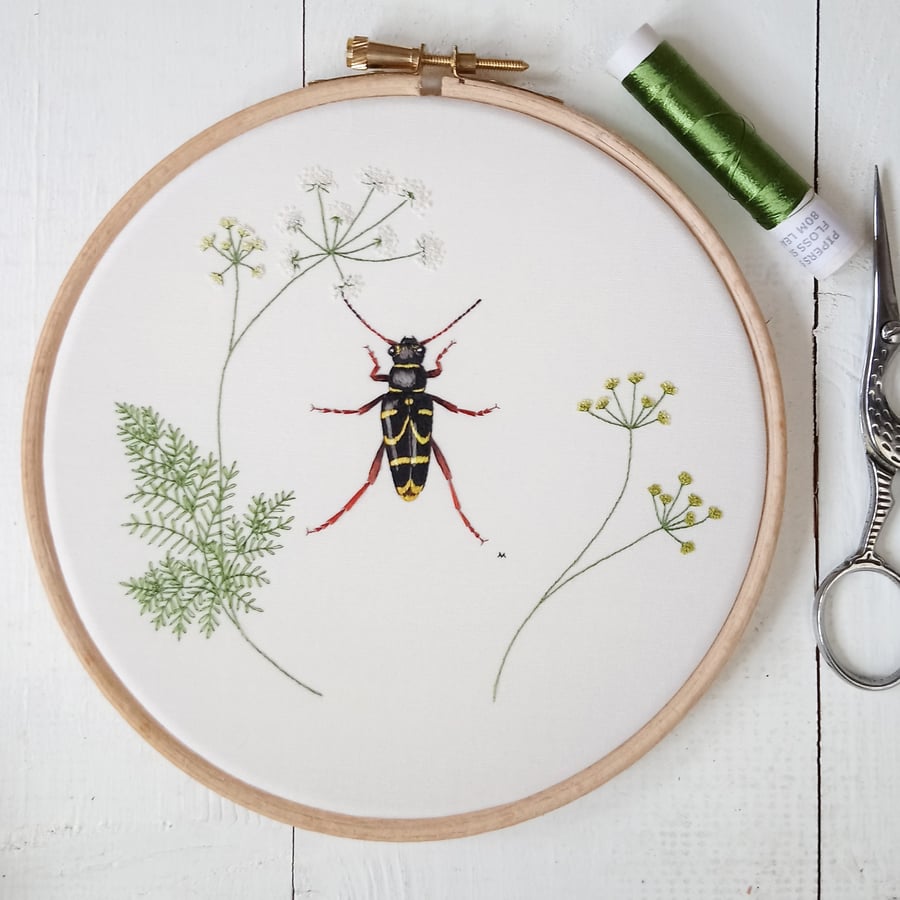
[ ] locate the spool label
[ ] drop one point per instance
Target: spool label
(816, 237)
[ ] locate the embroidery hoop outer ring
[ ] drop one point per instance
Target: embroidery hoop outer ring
(402, 829)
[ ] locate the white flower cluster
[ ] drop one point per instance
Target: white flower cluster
(416, 193)
(386, 241)
(383, 182)
(358, 234)
(431, 251)
(291, 260)
(340, 212)
(316, 178)
(290, 220)
(379, 179)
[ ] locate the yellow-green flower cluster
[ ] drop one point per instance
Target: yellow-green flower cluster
(630, 412)
(235, 246)
(676, 513)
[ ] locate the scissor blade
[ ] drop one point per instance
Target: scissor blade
(886, 312)
(880, 426)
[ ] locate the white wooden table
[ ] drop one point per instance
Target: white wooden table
(783, 782)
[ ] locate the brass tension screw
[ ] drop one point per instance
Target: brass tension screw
(365, 54)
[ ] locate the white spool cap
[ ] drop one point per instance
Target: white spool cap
(633, 52)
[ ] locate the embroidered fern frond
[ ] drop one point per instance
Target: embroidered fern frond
(255, 534)
(159, 531)
(172, 479)
(170, 593)
(210, 571)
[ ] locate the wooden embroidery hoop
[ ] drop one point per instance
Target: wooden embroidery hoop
(516, 100)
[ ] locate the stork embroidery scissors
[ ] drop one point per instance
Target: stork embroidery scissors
(881, 434)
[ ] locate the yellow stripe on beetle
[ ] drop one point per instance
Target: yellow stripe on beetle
(390, 441)
(410, 460)
(393, 440)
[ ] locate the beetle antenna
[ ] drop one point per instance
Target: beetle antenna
(361, 319)
(448, 327)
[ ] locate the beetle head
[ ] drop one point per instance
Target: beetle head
(409, 350)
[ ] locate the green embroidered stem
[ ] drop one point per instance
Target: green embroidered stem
(323, 248)
(375, 224)
(322, 216)
(609, 515)
(549, 593)
(219, 394)
(233, 340)
(355, 219)
(255, 318)
(382, 260)
(590, 566)
(267, 658)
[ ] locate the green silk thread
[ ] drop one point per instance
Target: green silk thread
(718, 137)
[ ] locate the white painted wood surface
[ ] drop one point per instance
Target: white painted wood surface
(735, 802)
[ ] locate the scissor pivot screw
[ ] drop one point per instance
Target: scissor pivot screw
(365, 54)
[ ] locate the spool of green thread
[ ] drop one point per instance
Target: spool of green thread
(729, 148)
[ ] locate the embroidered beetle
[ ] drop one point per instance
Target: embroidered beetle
(407, 412)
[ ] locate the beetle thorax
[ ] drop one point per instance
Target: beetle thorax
(407, 371)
